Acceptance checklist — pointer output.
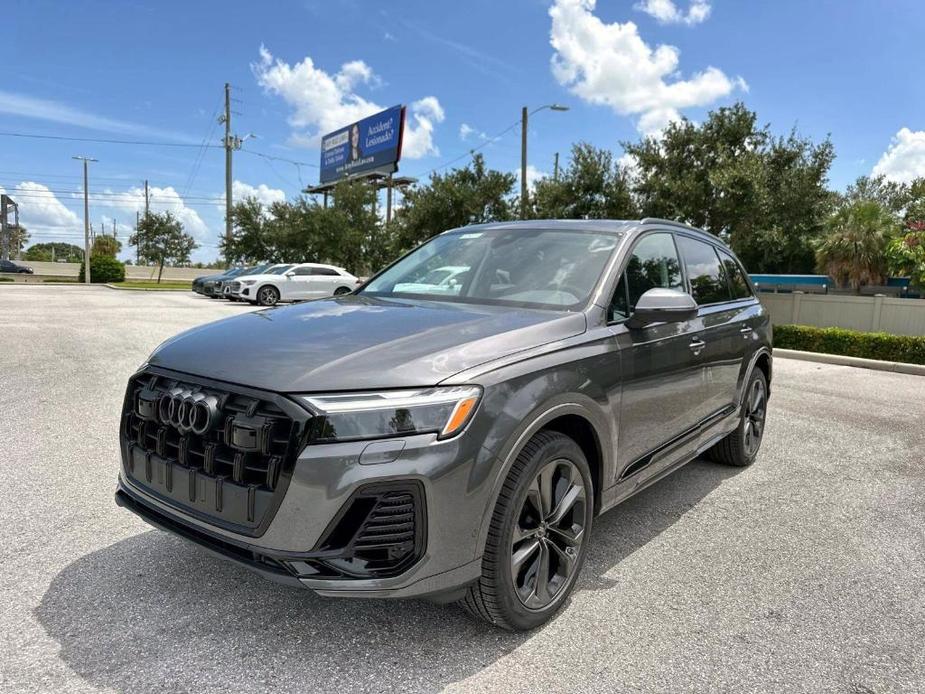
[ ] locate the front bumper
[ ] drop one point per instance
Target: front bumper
(324, 480)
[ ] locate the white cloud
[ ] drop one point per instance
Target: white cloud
(41, 212)
(904, 160)
(263, 193)
(533, 175)
(466, 131)
(55, 112)
(667, 12)
(127, 203)
(610, 64)
(322, 102)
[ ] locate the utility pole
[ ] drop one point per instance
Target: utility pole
(137, 242)
(86, 161)
(555, 169)
(523, 151)
(229, 148)
(146, 198)
(523, 163)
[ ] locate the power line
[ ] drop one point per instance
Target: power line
(471, 151)
(145, 143)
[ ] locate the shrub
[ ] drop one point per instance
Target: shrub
(103, 268)
(851, 343)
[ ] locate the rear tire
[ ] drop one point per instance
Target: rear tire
(268, 296)
(342, 290)
(538, 536)
(740, 448)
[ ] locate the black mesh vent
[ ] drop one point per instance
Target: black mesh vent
(380, 531)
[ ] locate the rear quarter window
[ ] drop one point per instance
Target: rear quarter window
(704, 272)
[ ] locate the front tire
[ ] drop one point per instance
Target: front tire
(538, 536)
(740, 448)
(268, 296)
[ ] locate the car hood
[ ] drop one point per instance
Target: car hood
(355, 342)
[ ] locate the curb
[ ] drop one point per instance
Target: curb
(858, 362)
(147, 289)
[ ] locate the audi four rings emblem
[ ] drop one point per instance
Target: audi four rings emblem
(187, 410)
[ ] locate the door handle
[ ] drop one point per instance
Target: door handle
(745, 332)
(696, 345)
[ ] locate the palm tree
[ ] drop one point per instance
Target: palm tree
(853, 250)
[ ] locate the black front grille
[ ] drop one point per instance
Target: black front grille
(234, 472)
(379, 532)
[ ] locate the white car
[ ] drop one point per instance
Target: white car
(298, 282)
(447, 279)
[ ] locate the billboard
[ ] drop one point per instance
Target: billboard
(372, 144)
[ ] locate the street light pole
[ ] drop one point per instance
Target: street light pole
(86, 161)
(523, 162)
(524, 118)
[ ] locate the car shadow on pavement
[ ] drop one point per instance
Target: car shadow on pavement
(154, 613)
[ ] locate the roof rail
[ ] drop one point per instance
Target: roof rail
(670, 222)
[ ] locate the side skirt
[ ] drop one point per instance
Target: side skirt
(720, 423)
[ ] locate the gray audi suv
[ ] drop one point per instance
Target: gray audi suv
(454, 435)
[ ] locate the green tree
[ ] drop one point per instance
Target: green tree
(853, 250)
(891, 195)
(105, 245)
(766, 195)
(592, 186)
(49, 252)
(19, 237)
(464, 196)
(793, 202)
(906, 255)
(250, 236)
(160, 239)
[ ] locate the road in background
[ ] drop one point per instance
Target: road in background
(802, 573)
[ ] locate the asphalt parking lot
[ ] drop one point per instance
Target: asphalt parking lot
(805, 572)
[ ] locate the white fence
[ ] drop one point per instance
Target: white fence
(865, 313)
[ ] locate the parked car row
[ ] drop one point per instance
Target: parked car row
(269, 284)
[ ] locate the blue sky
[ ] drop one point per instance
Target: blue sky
(154, 71)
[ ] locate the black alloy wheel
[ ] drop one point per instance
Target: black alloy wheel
(755, 411)
(740, 448)
(548, 533)
(538, 535)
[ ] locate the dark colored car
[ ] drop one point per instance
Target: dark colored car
(212, 285)
(454, 442)
(10, 266)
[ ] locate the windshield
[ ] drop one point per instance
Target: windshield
(543, 268)
(278, 270)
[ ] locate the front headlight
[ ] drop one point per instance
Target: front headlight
(352, 416)
(248, 282)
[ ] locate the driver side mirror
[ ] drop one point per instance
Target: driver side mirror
(661, 305)
(290, 275)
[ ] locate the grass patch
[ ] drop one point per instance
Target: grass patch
(7, 279)
(152, 284)
(61, 280)
(851, 343)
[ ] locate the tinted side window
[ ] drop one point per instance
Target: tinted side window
(323, 271)
(301, 271)
(708, 285)
(654, 263)
(738, 285)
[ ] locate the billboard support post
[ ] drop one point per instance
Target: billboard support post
(388, 201)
